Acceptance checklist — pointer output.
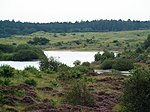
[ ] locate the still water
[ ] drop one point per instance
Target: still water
(66, 57)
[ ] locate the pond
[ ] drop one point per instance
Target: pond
(66, 57)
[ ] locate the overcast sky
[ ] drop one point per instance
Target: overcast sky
(73, 10)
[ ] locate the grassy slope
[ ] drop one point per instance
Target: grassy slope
(102, 40)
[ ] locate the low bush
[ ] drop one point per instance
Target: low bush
(31, 82)
(31, 69)
(2, 99)
(107, 64)
(79, 95)
(74, 72)
(6, 71)
(123, 64)
(5, 82)
(86, 64)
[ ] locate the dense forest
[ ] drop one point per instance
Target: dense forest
(8, 28)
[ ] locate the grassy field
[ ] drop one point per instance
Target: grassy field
(84, 41)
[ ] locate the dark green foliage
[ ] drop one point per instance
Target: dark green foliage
(139, 50)
(63, 34)
(6, 56)
(69, 74)
(105, 55)
(137, 92)
(38, 41)
(142, 57)
(115, 41)
(148, 50)
(77, 62)
(74, 72)
(108, 55)
(23, 47)
(8, 28)
(86, 64)
(123, 64)
(6, 71)
(107, 64)
(53, 83)
(98, 56)
(31, 82)
(147, 42)
(22, 52)
(128, 54)
(50, 64)
(25, 55)
(18, 92)
(5, 82)
(33, 70)
(6, 48)
(79, 94)
(2, 99)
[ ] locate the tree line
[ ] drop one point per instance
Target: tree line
(8, 28)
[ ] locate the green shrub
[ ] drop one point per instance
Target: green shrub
(50, 64)
(105, 55)
(73, 73)
(79, 95)
(77, 62)
(31, 69)
(18, 92)
(2, 99)
(86, 64)
(53, 83)
(123, 64)
(107, 64)
(98, 56)
(136, 96)
(31, 82)
(5, 82)
(147, 42)
(6, 71)
(38, 41)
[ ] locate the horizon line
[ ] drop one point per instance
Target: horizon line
(79, 21)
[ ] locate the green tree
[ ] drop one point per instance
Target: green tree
(136, 96)
(97, 56)
(105, 55)
(50, 64)
(77, 62)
